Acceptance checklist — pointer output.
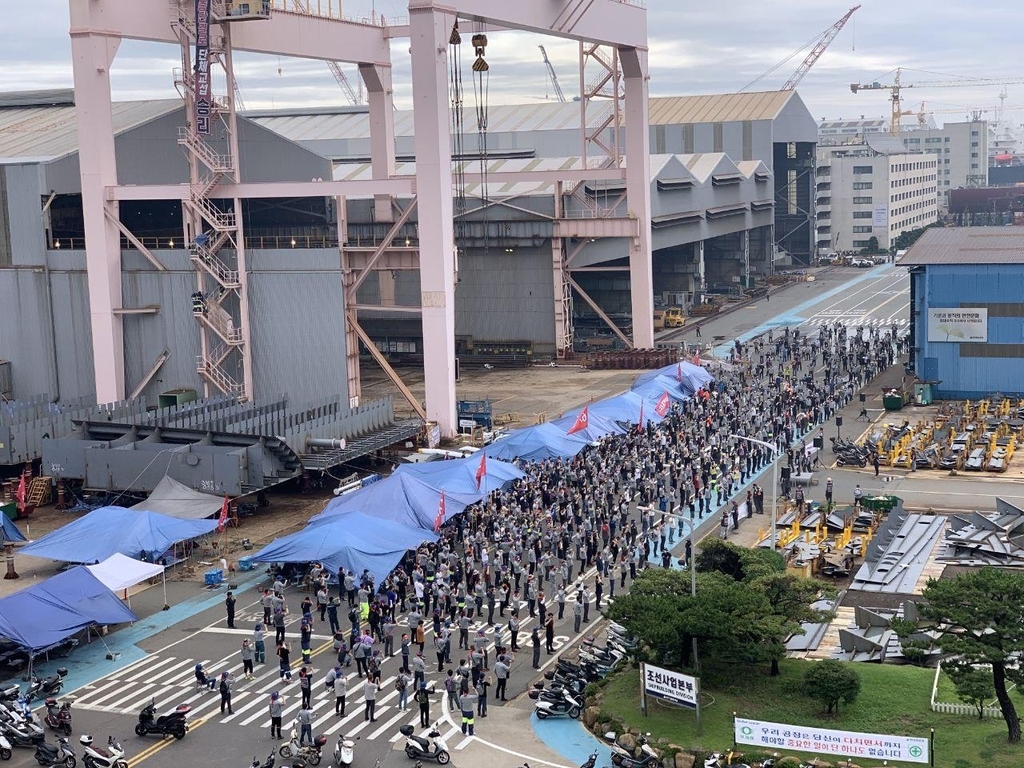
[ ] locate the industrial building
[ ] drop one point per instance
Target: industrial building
(876, 188)
(962, 152)
(718, 166)
(966, 285)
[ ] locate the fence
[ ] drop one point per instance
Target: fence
(958, 708)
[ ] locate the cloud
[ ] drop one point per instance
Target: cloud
(695, 48)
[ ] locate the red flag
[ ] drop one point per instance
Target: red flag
(22, 493)
(439, 520)
(481, 471)
(663, 404)
(581, 421)
(640, 422)
(222, 521)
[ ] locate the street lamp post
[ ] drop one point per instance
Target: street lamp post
(775, 479)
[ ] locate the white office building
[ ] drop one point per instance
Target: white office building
(873, 189)
(962, 151)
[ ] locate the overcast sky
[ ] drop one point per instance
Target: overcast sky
(696, 48)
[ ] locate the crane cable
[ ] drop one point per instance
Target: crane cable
(458, 127)
(481, 90)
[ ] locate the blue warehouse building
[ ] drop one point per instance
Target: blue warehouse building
(967, 303)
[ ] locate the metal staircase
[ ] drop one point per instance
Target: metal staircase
(213, 230)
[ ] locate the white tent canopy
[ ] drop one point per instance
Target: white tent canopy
(177, 500)
(119, 571)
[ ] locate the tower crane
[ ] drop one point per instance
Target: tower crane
(897, 86)
(823, 43)
(343, 81)
(553, 75)
(820, 42)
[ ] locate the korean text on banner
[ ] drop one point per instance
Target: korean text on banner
(825, 741)
(201, 75)
(671, 686)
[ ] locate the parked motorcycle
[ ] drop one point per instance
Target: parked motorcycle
(5, 748)
(307, 752)
(718, 760)
(51, 686)
(268, 763)
(59, 754)
(97, 757)
(564, 704)
(10, 693)
(433, 747)
(643, 757)
(344, 751)
(172, 724)
(25, 735)
(58, 715)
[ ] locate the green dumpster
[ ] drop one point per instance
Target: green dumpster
(892, 402)
(879, 503)
(10, 509)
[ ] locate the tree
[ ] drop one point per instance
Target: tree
(973, 685)
(872, 246)
(790, 598)
(906, 239)
(739, 563)
(979, 616)
(831, 681)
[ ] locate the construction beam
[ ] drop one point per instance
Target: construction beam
(160, 360)
(611, 22)
(590, 228)
(600, 312)
(152, 309)
(285, 33)
(403, 186)
(386, 367)
(384, 244)
(135, 241)
(400, 308)
(569, 175)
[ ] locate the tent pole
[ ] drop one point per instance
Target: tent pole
(163, 578)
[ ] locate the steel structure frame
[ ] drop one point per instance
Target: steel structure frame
(98, 26)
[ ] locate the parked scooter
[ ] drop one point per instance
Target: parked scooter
(96, 757)
(268, 763)
(5, 748)
(59, 754)
(51, 686)
(307, 752)
(718, 760)
(565, 704)
(643, 757)
(58, 715)
(344, 751)
(25, 735)
(10, 693)
(433, 747)
(172, 724)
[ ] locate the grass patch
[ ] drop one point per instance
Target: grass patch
(893, 699)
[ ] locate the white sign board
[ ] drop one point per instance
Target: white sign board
(880, 216)
(957, 324)
(825, 741)
(671, 686)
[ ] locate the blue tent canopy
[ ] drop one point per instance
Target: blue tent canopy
(653, 388)
(46, 613)
(104, 531)
(624, 407)
(689, 376)
(543, 441)
(598, 425)
(401, 498)
(353, 539)
(459, 475)
(10, 530)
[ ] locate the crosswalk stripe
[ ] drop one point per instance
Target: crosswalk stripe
(134, 703)
(465, 742)
(116, 692)
(147, 671)
(415, 722)
(388, 725)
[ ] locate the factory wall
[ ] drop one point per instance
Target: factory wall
(972, 370)
(26, 224)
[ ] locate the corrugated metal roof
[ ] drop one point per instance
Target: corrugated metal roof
(718, 108)
(700, 166)
(885, 144)
(346, 123)
(967, 245)
(49, 132)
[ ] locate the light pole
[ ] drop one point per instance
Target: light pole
(775, 479)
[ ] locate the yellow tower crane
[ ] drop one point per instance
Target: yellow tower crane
(897, 86)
